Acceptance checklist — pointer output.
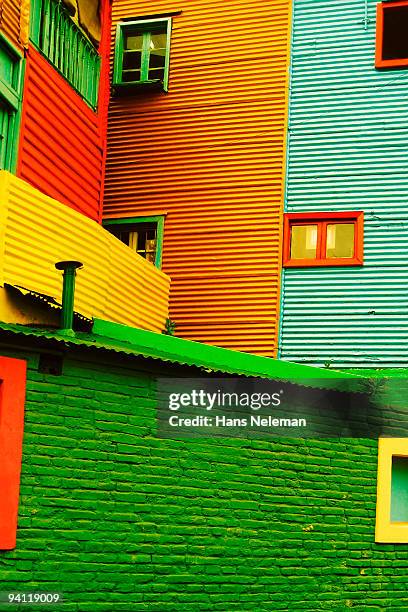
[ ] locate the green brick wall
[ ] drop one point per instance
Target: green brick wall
(121, 521)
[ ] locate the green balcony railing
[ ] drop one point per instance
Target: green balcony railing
(67, 48)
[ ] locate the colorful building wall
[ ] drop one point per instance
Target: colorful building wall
(62, 139)
(347, 152)
(14, 21)
(210, 156)
(61, 142)
(115, 283)
(116, 519)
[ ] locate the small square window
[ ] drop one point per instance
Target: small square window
(144, 235)
(142, 53)
(323, 239)
(399, 490)
(392, 39)
(392, 491)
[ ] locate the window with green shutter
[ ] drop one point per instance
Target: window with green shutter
(144, 235)
(142, 53)
(11, 77)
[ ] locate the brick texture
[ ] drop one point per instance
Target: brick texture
(118, 520)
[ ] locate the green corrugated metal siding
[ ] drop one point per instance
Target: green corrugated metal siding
(348, 151)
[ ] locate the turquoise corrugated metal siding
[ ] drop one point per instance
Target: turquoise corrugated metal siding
(348, 151)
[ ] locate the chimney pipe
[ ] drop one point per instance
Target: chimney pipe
(68, 291)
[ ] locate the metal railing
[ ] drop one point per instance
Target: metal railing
(69, 50)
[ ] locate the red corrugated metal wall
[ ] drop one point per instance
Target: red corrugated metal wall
(210, 154)
(61, 140)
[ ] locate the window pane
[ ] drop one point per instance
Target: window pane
(158, 41)
(157, 55)
(132, 59)
(133, 42)
(395, 39)
(147, 239)
(157, 59)
(340, 240)
(156, 73)
(399, 490)
(123, 236)
(130, 76)
(140, 237)
(303, 241)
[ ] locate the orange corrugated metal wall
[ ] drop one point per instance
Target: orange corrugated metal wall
(14, 16)
(210, 154)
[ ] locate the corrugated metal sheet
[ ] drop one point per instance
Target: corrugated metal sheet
(348, 151)
(61, 147)
(14, 16)
(210, 154)
(40, 298)
(167, 349)
(115, 284)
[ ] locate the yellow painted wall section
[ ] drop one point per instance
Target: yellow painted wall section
(14, 21)
(115, 284)
(210, 154)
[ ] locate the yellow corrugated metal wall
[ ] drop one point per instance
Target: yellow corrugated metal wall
(210, 155)
(115, 283)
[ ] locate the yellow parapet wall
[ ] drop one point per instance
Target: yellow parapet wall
(115, 284)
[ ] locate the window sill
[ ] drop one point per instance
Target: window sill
(139, 86)
(319, 263)
(401, 63)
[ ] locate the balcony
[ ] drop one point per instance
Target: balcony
(115, 283)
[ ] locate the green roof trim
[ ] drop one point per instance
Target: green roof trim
(122, 339)
(171, 348)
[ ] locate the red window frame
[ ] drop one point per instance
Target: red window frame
(379, 61)
(322, 220)
(12, 399)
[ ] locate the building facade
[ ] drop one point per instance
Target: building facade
(53, 102)
(54, 93)
(113, 518)
(347, 155)
(205, 152)
(94, 505)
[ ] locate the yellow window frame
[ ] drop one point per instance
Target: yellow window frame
(387, 532)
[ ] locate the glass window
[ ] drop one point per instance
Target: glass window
(399, 490)
(395, 39)
(303, 242)
(142, 53)
(323, 239)
(392, 40)
(392, 491)
(145, 237)
(340, 240)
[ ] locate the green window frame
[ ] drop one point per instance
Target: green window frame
(131, 225)
(66, 47)
(11, 84)
(148, 62)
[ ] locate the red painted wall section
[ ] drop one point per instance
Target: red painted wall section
(62, 140)
(12, 399)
